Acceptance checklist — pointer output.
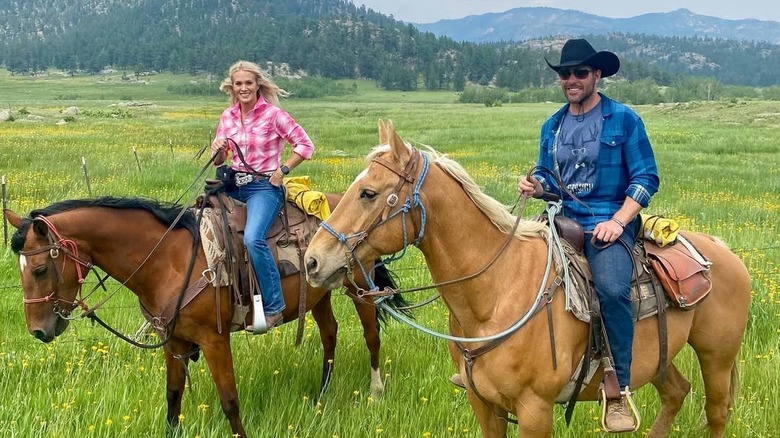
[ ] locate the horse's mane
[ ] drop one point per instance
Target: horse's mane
(166, 213)
(497, 212)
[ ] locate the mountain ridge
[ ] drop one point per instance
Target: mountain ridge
(519, 24)
(337, 40)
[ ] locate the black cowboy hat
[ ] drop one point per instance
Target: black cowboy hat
(579, 52)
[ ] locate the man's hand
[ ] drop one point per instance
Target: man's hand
(607, 232)
(529, 186)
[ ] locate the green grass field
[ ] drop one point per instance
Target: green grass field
(720, 174)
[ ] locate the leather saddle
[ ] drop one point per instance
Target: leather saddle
(680, 269)
(288, 237)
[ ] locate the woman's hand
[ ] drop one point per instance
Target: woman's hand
(218, 144)
(219, 150)
(277, 178)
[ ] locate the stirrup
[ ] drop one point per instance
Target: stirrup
(258, 326)
(626, 394)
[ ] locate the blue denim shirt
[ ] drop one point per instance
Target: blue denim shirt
(626, 165)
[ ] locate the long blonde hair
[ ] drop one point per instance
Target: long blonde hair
(270, 91)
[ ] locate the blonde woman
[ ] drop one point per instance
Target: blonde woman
(254, 130)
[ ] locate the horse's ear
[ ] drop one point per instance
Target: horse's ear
(397, 145)
(40, 228)
(383, 139)
(14, 219)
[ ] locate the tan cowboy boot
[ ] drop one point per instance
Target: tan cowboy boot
(457, 380)
(618, 415)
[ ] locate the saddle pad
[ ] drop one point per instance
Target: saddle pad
(645, 288)
(215, 255)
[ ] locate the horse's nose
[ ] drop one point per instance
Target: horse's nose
(311, 265)
(42, 336)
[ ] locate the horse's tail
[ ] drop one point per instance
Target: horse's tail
(384, 278)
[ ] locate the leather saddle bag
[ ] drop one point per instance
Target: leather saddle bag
(685, 280)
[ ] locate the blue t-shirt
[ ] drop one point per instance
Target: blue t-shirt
(578, 150)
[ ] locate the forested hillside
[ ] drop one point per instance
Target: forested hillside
(329, 38)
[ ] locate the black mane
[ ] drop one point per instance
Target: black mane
(166, 213)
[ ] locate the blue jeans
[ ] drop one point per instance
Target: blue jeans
(263, 202)
(612, 271)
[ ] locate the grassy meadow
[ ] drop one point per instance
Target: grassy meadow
(720, 174)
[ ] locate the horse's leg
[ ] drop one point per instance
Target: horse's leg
(717, 354)
(672, 393)
(216, 350)
(176, 360)
(452, 348)
(367, 313)
(326, 321)
(491, 425)
(720, 380)
(534, 417)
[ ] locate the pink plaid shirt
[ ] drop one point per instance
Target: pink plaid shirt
(262, 136)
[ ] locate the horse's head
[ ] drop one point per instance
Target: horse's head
(376, 216)
(49, 282)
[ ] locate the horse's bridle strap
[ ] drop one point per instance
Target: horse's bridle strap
(405, 176)
(68, 247)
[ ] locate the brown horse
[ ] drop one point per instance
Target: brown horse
(58, 245)
(459, 230)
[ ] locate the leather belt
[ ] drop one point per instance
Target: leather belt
(243, 178)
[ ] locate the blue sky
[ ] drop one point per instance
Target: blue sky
(427, 11)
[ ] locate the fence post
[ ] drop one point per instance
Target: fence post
(137, 161)
(5, 221)
(203, 149)
(86, 175)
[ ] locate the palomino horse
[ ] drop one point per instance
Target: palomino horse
(58, 245)
(459, 230)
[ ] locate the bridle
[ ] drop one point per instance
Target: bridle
(390, 210)
(546, 287)
(58, 244)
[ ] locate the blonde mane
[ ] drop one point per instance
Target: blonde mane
(497, 212)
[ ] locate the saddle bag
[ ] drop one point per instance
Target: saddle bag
(227, 175)
(685, 280)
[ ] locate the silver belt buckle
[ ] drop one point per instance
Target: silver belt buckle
(243, 179)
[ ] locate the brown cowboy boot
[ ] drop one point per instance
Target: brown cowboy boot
(273, 320)
(270, 322)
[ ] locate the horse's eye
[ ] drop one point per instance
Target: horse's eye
(367, 194)
(40, 271)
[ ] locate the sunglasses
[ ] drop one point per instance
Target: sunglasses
(579, 73)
